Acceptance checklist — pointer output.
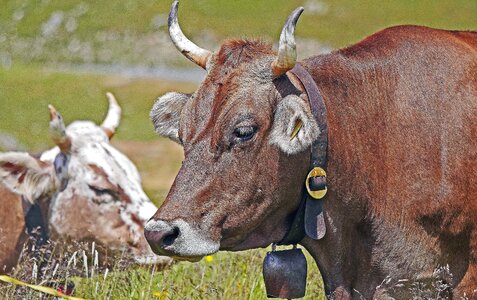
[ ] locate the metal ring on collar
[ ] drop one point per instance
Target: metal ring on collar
(317, 189)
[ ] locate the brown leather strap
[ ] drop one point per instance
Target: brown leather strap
(318, 109)
(315, 226)
(309, 217)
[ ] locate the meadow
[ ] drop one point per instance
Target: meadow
(70, 53)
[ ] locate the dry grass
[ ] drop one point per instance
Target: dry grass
(96, 275)
(59, 265)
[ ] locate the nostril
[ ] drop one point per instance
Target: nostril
(170, 238)
(161, 236)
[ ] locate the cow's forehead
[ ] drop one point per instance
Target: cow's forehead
(241, 61)
(236, 71)
(87, 131)
(240, 72)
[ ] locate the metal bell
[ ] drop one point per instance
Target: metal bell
(284, 273)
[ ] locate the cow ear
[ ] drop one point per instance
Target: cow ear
(26, 175)
(166, 112)
(294, 128)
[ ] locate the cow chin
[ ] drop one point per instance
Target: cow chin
(178, 240)
(152, 260)
(143, 255)
(261, 237)
(249, 243)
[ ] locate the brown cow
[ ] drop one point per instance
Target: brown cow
(83, 190)
(402, 157)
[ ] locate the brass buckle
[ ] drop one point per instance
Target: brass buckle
(316, 172)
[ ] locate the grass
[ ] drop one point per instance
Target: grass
(184, 280)
(26, 91)
(202, 280)
(134, 32)
(337, 22)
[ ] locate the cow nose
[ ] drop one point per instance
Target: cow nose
(160, 235)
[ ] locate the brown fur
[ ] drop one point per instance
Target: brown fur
(12, 229)
(402, 120)
(402, 160)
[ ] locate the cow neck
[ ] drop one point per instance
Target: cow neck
(309, 219)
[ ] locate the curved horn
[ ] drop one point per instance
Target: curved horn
(111, 122)
(58, 130)
(286, 58)
(183, 44)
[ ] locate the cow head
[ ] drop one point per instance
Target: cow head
(92, 191)
(244, 167)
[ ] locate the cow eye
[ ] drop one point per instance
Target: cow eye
(103, 195)
(244, 133)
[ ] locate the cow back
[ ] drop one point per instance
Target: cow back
(402, 110)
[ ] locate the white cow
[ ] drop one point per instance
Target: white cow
(84, 189)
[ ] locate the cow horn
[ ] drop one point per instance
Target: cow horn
(286, 57)
(190, 50)
(111, 122)
(58, 130)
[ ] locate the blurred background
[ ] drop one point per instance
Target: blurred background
(70, 53)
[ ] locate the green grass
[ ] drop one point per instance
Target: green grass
(25, 93)
(349, 21)
(342, 22)
(227, 276)
(124, 32)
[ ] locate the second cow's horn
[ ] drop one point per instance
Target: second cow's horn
(58, 130)
(111, 122)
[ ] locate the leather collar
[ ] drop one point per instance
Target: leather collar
(309, 218)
